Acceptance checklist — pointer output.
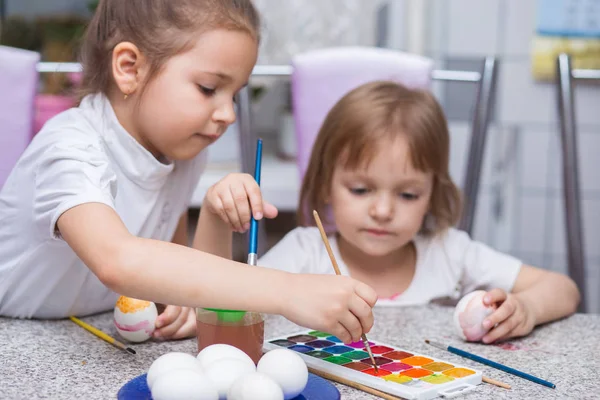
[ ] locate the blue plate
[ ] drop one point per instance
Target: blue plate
(317, 388)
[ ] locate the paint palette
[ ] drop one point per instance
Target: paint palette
(401, 372)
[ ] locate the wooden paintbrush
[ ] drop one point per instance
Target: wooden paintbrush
(337, 272)
(102, 335)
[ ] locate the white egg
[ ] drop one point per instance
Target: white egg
(286, 368)
(469, 315)
(135, 319)
(209, 355)
(255, 386)
(223, 373)
(183, 384)
(170, 362)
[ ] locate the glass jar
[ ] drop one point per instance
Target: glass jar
(242, 329)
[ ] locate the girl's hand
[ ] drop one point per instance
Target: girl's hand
(512, 317)
(235, 198)
(338, 305)
(175, 323)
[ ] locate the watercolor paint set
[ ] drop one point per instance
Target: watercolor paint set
(402, 372)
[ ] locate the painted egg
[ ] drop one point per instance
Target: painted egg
(286, 368)
(215, 352)
(170, 362)
(135, 319)
(223, 373)
(185, 384)
(469, 315)
(255, 386)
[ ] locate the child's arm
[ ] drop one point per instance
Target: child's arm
(181, 232)
(172, 274)
(538, 296)
(175, 322)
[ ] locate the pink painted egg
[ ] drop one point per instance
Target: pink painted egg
(135, 319)
(469, 315)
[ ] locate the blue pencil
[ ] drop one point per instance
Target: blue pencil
(253, 242)
(491, 363)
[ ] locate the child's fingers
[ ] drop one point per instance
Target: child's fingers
(169, 315)
(270, 210)
(352, 325)
(254, 197)
(230, 210)
(240, 199)
(367, 293)
(342, 333)
(501, 331)
(188, 329)
(167, 331)
(494, 296)
(220, 209)
(363, 312)
(500, 315)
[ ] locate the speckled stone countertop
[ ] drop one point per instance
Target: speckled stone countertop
(60, 360)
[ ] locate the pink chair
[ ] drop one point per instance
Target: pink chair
(18, 84)
(320, 78)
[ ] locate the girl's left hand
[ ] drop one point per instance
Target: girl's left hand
(512, 317)
(175, 323)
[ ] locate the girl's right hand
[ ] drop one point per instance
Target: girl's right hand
(338, 305)
(235, 199)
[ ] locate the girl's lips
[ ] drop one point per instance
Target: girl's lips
(377, 232)
(209, 136)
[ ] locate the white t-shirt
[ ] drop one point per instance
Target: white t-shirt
(81, 156)
(448, 266)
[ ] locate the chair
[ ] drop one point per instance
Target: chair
(320, 78)
(18, 84)
(566, 81)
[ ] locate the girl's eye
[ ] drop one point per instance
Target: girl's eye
(359, 191)
(409, 196)
(207, 91)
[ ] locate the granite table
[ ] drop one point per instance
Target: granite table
(60, 360)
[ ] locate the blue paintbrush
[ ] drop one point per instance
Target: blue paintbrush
(253, 242)
(235, 315)
(491, 363)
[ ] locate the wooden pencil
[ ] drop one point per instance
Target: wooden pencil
(353, 384)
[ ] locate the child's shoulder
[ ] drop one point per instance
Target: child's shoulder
(79, 124)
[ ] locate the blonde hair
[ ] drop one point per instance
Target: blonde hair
(159, 28)
(356, 125)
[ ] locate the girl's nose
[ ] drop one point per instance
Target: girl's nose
(225, 114)
(382, 207)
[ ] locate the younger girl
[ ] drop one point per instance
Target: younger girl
(91, 206)
(379, 167)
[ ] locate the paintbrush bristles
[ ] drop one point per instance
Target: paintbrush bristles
(436, 344)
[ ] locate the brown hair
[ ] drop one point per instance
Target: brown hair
(356, 125)
(159, 28)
